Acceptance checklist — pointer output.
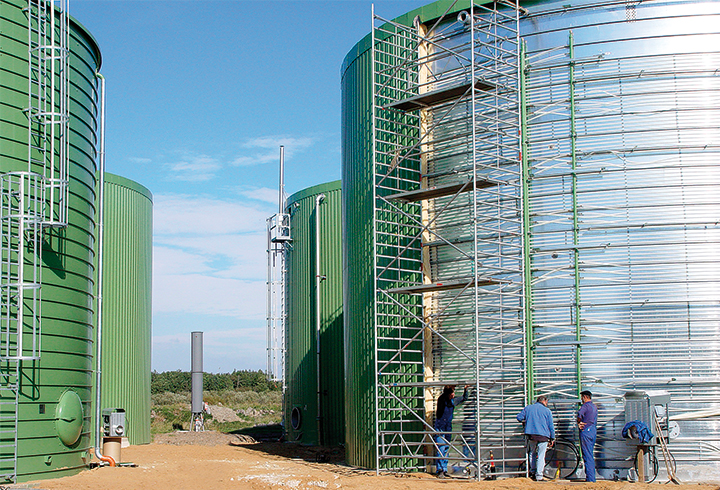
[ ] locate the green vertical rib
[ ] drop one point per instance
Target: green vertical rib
(526, 231)
(576, 261)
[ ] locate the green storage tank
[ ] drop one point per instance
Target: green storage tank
(127, 304)
(48, 408)
(315, 251)
(358, 241)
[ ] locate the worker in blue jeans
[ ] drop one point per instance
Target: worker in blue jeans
(539, 432)
(443, 424)
(587, 423)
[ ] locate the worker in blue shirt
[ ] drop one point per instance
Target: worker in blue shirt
(587, 423)
(443, 424)
(539, 432)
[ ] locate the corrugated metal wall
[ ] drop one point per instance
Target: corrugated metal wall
(623, 207)
(358, 291)
(625, 189)
(127, 304)
(327, 425)
(65, 366)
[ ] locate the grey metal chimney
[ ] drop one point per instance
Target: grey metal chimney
(196, 405)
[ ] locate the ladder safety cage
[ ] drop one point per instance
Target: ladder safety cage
(31, 201)
(48, 101)
(448, 237)
(20, 270)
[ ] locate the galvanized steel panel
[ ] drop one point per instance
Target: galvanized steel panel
(646, 185)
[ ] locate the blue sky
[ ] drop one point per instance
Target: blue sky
(200, 94)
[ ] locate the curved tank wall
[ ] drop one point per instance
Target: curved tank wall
(622, 114)
(54, 393)
(624, 204)
(358, 240)
(304, 423)
(127, 304)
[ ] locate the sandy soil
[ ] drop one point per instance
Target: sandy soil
(224, 462)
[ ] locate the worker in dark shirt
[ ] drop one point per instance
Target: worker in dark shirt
(587, 423)
(443, 425)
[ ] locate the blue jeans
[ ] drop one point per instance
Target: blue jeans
(536, 456)
(443, 449)
(587, 444)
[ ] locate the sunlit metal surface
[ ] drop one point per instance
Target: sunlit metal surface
(625, 201)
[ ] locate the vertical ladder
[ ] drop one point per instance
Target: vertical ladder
(31, 201)
(48, 99)
(21, 205)
(9, 390)
(278, 236)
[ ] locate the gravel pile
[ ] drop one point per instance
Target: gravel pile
(251, 412)
(223, 414)
(203, 438)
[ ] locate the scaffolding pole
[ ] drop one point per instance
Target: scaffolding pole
(449, 238)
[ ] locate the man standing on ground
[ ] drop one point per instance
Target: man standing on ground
(587, 422)
(539, 432)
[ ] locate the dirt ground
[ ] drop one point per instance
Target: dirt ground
(191, 460)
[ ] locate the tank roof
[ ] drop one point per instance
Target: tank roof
(314, 190)
(426, 13)
(130, 184)
(96, 47)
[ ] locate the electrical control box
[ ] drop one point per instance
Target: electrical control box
(114, 422)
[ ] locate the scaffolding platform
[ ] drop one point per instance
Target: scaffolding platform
(437, 191)
(443, 286)
(437, 97)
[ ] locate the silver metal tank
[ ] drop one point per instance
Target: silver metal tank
(620, 218)
(623, 103)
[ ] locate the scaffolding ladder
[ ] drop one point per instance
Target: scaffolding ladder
(31, 201)
(448, 238)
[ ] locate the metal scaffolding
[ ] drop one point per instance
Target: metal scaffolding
(448, 231)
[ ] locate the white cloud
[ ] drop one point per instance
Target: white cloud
(176, 214)
(208, 295)
(264, 194)
(241, 256)
(266, 149)
(194, 168)
(291, 144)
(167, 261)
(256, 159)
(209, 257)
(141, 160)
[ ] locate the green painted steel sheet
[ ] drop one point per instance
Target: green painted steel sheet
(327, 425)
(127, 304)
(358, 295)
(67, 256)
